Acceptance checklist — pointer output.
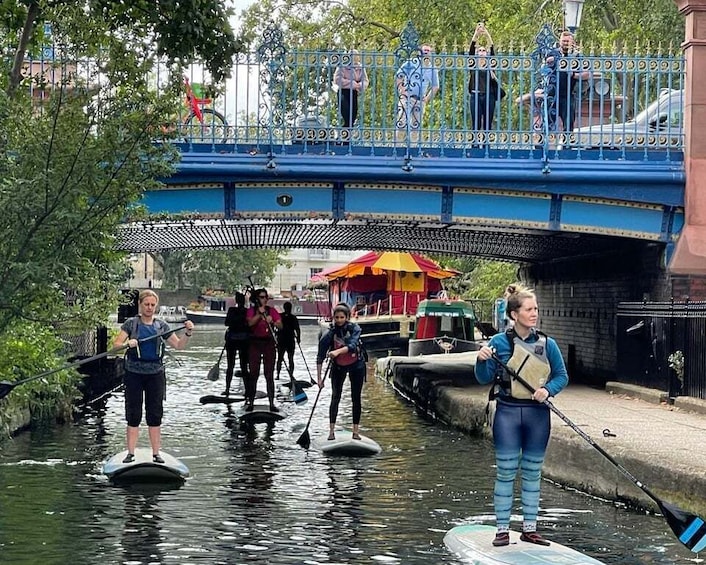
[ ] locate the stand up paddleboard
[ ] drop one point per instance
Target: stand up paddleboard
(221, 399)
(344, 444)
(302, 384)
(474, 544)
(217, 399)
(143, 469)
(260, 414)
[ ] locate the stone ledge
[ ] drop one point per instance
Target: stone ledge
(652, 395)
(691, 404)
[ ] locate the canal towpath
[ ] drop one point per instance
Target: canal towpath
(662, 445)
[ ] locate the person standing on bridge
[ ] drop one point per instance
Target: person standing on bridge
(522, 422)
(287, 339)
(417, 83)
(263, 322)
(237, 340)
(351, 79)
(342, 345)
(483, 86)
(144, 371)
(563, 80)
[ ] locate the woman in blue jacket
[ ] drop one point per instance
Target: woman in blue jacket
(341, 344)
(522, 421)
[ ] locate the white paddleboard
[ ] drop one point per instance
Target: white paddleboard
(344, 444)
(260, 414)
(473, 543)
(143, 469)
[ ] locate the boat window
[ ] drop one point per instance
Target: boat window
(447, 324)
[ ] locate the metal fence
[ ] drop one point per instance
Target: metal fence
(661, 345)
(284, 100)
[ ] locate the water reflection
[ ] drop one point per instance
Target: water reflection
(256, 497)
(141, 538)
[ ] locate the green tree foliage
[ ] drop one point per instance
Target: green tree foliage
(75, 159)
(376, 24)
(223, 269)
(135, 31)
(29, 349)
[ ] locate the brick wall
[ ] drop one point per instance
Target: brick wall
(578, 302)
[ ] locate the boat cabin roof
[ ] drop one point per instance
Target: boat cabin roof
(443, 307)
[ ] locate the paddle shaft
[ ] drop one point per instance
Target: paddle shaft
(311, 378)
(306, 429)
(90, 359)
(580, 432)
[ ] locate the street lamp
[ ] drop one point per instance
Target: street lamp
(572, 14)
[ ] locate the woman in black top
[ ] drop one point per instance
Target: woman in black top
(483, 87)
(237, 336)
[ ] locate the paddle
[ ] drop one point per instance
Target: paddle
(298, 394)
(6, 386)
(214, 371)
(689, 528)
(304, 439)
(306, 364)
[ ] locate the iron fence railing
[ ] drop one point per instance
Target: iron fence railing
(284, 100)
(661, 345)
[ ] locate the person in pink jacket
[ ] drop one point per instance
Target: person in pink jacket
(351, 79)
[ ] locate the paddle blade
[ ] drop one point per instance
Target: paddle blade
(214, 372)
(304, 440)
(5, 388)
(298, 393)
(689, 529)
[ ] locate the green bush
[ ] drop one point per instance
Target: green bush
(30, 349)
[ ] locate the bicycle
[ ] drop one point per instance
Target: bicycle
(202, 123)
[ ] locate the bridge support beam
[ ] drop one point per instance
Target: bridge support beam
(689, 257)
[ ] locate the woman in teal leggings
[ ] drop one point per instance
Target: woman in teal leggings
(522, 423)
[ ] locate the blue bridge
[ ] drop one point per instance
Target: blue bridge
(269, 160)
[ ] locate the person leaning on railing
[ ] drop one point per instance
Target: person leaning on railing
(565, 86)
(417, 83)
(483, 86)
(351, 80)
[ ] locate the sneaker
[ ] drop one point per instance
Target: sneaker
(533, 537)
(129, 458)
(273, 408)
(157, 458)
(501, 539)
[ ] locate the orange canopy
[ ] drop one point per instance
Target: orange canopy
(379, 263)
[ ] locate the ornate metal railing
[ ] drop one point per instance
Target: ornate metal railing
(281, 100)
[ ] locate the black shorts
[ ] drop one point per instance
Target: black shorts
(152, 389)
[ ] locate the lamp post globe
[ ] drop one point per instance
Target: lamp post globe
(572, 14)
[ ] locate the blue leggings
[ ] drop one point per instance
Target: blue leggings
(521, 434)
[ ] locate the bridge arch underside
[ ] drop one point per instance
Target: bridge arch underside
(507, 223)
(517, 245)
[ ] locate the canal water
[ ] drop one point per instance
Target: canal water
(257, 497)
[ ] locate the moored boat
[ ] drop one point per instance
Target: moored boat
(443, 326)
(383, 291)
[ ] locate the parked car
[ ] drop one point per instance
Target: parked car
(658, 126)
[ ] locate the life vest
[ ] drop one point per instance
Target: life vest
(151, 350)
(347, 358)
(529, 361)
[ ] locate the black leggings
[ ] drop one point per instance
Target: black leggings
(241, 347)
(356, 373)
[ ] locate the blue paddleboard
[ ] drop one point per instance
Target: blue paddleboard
(473, 543)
